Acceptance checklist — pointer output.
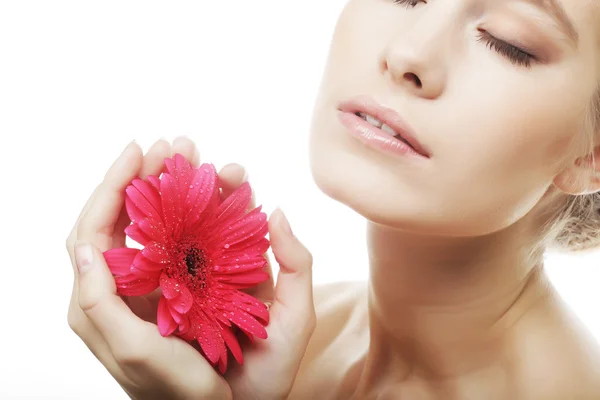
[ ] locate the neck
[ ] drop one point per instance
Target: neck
(441, 307)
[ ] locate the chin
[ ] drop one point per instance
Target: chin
(362, 181)
(367, 187)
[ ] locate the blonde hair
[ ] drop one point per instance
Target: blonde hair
(575, 224)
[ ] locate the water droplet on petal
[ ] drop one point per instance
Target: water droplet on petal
(226, 245)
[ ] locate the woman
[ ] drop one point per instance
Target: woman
(465, 133)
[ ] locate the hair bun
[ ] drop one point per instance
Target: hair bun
(579, 229)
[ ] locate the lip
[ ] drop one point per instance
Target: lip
(366, 131)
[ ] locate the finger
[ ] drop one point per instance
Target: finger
(77, 319)
(231, 177)
(97, 224)
(264, 291)
(152, 164)
(294, 291)
(98, 297)
(186, 147)
(154, 160)
(135, 344)
(86, 331)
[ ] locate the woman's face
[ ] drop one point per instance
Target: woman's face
(495, 90)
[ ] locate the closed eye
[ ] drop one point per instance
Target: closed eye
(409, 3)
(515, 54)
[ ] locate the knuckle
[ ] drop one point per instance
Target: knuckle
(131, 355)
(75, 320)
(86, 304)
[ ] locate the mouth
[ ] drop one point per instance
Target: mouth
(384, 119)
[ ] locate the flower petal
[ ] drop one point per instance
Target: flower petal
(153, 229)
(142, 274)
(134, 213)
(183, 172)
(154, 181)
(183, 302)
(177, 316)
(166, 323)
(252, 306)
(135, 233)
(234, 206)
(142, 203)
(150, 193)
(245, 228)
(184, 324)
(222, 364)
(143, 263)
(208, 338)
(248, 323)
(248, 335)
(233, 344)
(203, 186)
(245, 280)
(171, 289)
(243, 265)
(171, 207)
(119, 260)
(131, 285)
(156, 252)
(246, 249)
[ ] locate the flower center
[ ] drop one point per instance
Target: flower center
(194, 259)
(193, 266)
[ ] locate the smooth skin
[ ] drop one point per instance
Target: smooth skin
(121, 332)
(457, 306)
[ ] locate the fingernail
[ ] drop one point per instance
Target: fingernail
(245, 178)
(84, 257)
(285, 224)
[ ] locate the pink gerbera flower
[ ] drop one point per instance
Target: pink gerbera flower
(199, 250)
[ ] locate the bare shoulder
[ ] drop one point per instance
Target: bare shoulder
(338, 340)
(343, 294)
(335, 305)
(557, 357)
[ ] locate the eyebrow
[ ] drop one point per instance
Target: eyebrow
(558, 13)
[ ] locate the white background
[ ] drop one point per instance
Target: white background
(80, 79)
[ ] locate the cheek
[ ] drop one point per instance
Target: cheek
(498, 136)
(499, 155)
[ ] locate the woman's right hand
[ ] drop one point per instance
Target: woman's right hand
(120, 331)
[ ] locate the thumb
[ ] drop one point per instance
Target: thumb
(294, 290)
(98, 296)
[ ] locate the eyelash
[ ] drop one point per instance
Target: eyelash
(408, 3)
(516, 55)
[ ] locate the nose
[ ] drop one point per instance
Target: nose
(415, 59)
